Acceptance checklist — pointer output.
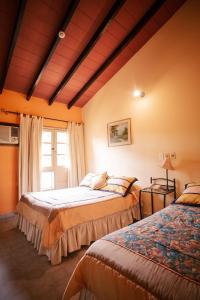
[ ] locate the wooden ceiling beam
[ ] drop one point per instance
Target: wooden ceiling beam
(92, 42)
(69, 14)
(15, 33)
(134, 31)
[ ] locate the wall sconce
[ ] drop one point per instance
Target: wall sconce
(138, 94)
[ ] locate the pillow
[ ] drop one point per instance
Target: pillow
(119, 185)
(99, 181)
(191, 195)
(192, 184)
(87, 180)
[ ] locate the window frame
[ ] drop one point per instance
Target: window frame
(55, 168)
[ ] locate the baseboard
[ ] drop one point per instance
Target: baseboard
(8, 215)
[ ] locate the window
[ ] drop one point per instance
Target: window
(55, 159)
(62, 149)
(47, 148)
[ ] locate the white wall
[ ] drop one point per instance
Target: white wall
(167, 119)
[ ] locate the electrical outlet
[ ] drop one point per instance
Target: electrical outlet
(173, 155)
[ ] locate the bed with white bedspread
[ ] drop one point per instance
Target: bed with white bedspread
(61, 221)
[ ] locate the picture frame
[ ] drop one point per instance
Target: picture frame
(119, 133)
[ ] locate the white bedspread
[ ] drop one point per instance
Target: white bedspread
(70, 197)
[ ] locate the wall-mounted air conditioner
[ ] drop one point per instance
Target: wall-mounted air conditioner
(9, 134)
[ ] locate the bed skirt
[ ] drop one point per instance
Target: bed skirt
(77, 236)
(85, 294)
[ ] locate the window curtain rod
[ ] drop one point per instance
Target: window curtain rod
(18, 113)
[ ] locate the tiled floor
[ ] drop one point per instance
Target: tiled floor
(23, 274)
(7, 223)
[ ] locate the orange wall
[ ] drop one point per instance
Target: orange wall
(167, 119)
(9, 154)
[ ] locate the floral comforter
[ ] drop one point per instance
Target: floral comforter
(157, 258)
(170, 238)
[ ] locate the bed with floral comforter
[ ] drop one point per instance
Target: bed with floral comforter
(156, 258)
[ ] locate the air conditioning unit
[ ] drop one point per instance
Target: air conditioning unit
(9, 134)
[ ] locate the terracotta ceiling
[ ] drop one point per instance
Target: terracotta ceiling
(100, 37)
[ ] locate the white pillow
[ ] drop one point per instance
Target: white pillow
(99, 181)
(87, 180)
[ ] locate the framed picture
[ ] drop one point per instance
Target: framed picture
(119, 133)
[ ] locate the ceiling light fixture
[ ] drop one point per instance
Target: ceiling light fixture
(138, 94)
(61, 34)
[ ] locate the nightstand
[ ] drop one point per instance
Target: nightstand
(159, 186)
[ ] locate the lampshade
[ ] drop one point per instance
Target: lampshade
(167, 165)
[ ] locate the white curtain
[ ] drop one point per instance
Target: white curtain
(77, 156)
(29, 154)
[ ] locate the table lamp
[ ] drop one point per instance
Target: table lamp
(167, 165)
